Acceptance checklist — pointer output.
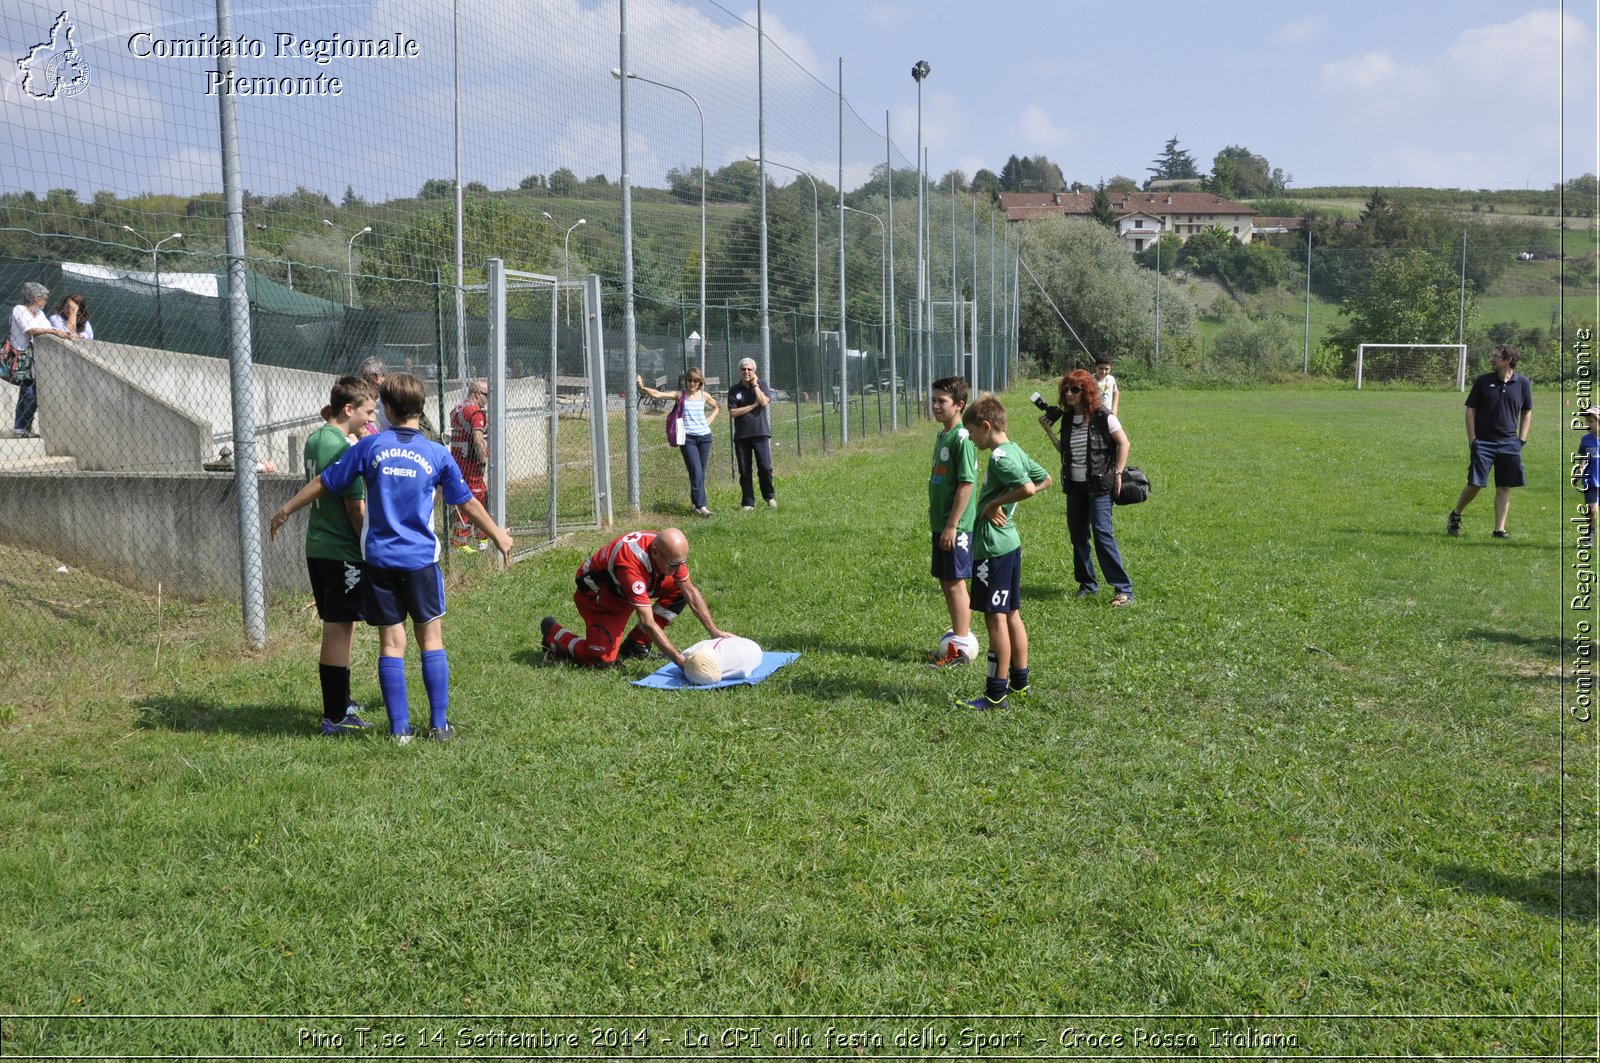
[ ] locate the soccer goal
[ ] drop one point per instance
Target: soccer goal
(1417, 364)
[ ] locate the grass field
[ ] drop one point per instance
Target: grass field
(1317, 783)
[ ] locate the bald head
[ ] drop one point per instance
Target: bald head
(670, 550)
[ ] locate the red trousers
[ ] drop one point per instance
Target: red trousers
(606, 618)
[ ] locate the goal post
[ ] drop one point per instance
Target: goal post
(1417, 369)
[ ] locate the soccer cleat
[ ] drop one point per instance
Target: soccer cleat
(403, 738)
(1022, 694)
(441, 734)
(351, 724)
(950, 658)
(1452, 526)
(981, 702)
(1502, 534)
(467, 548)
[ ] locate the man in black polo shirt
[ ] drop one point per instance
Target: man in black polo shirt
(752, 434)
(1499, 409)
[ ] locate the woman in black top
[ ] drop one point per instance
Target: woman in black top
(1094, 451)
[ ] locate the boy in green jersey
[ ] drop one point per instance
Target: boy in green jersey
(333, 549)
(951, 493)
(997, 551)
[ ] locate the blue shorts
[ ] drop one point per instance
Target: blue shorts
(336, 585)
(997, 583)
(953, 564)
(1506, 457)
(389, 595)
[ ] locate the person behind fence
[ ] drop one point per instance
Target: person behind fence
(1094, 451)
(699, 414)
(1499, 411)
(333, 549)
(374, 372)
(402, 467)
(469, 445)
(72, 314)
(642, 576)
(28, 321)
(748, 405)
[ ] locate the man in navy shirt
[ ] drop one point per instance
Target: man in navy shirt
(1499, 410)
(752, 434)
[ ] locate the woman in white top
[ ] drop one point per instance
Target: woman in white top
(699, 413)
(1094, 451)
(72, 314)
(28, 321)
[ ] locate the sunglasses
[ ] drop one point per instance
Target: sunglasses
(1074, 391)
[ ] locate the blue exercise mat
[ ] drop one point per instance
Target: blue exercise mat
(671, 677)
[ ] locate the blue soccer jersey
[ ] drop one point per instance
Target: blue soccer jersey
(401, 468)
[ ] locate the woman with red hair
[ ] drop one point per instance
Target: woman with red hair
(1094, 451)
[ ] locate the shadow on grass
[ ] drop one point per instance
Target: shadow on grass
(1571, 895)
(179, 713)
(1550, 649)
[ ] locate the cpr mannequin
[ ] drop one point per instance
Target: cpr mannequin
(713, 660)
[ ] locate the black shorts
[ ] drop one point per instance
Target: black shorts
(336, 585)
(392, 594)
(997, 583)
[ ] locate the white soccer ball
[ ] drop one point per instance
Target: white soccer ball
(966, 646)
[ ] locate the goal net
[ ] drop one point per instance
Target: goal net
(1425, 365)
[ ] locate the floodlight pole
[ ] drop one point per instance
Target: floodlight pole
(761, 180)
(919, 71)
(888, 178)
(844, 346)
(630, 335)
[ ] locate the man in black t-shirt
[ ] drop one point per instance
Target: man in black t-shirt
(752, 433)
(1499, 410)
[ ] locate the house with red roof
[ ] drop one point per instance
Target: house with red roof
(1141, 216)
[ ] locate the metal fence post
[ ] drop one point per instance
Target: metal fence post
(599, 436)
(497, 390)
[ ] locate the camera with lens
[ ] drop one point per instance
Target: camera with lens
(1052, 412)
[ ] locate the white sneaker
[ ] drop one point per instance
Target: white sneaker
(772, 503)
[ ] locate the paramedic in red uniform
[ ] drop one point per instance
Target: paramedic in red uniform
(642, 576)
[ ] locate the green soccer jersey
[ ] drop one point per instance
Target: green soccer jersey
(328, 533)
(955, 462)
(1009, 468)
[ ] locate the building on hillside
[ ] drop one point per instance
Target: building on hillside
(1269, 226)
(1141, 216)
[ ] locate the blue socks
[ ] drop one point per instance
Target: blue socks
(436, 678)
(392, 681)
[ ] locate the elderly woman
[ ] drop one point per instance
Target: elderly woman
(1094, 451)
(27, 321)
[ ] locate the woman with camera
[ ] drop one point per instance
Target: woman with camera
(1094, 452)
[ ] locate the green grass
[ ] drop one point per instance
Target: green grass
(1320, 768)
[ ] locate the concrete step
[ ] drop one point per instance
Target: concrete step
(28, 455)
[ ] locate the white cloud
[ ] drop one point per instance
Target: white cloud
(189, 172)
(1428, 120)
(1300, 30)
(1039, 132)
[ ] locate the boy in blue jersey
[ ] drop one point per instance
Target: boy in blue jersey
(1586, 470)
(401, 468)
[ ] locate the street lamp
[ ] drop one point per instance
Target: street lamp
(155, 267)
(918, 72)
(349, 259)
(617, 74)
(816, 247)
(883, 270)
(566, 265)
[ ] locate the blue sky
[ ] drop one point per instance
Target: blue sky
(1467, 94)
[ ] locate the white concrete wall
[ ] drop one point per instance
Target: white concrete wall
(139, 409)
